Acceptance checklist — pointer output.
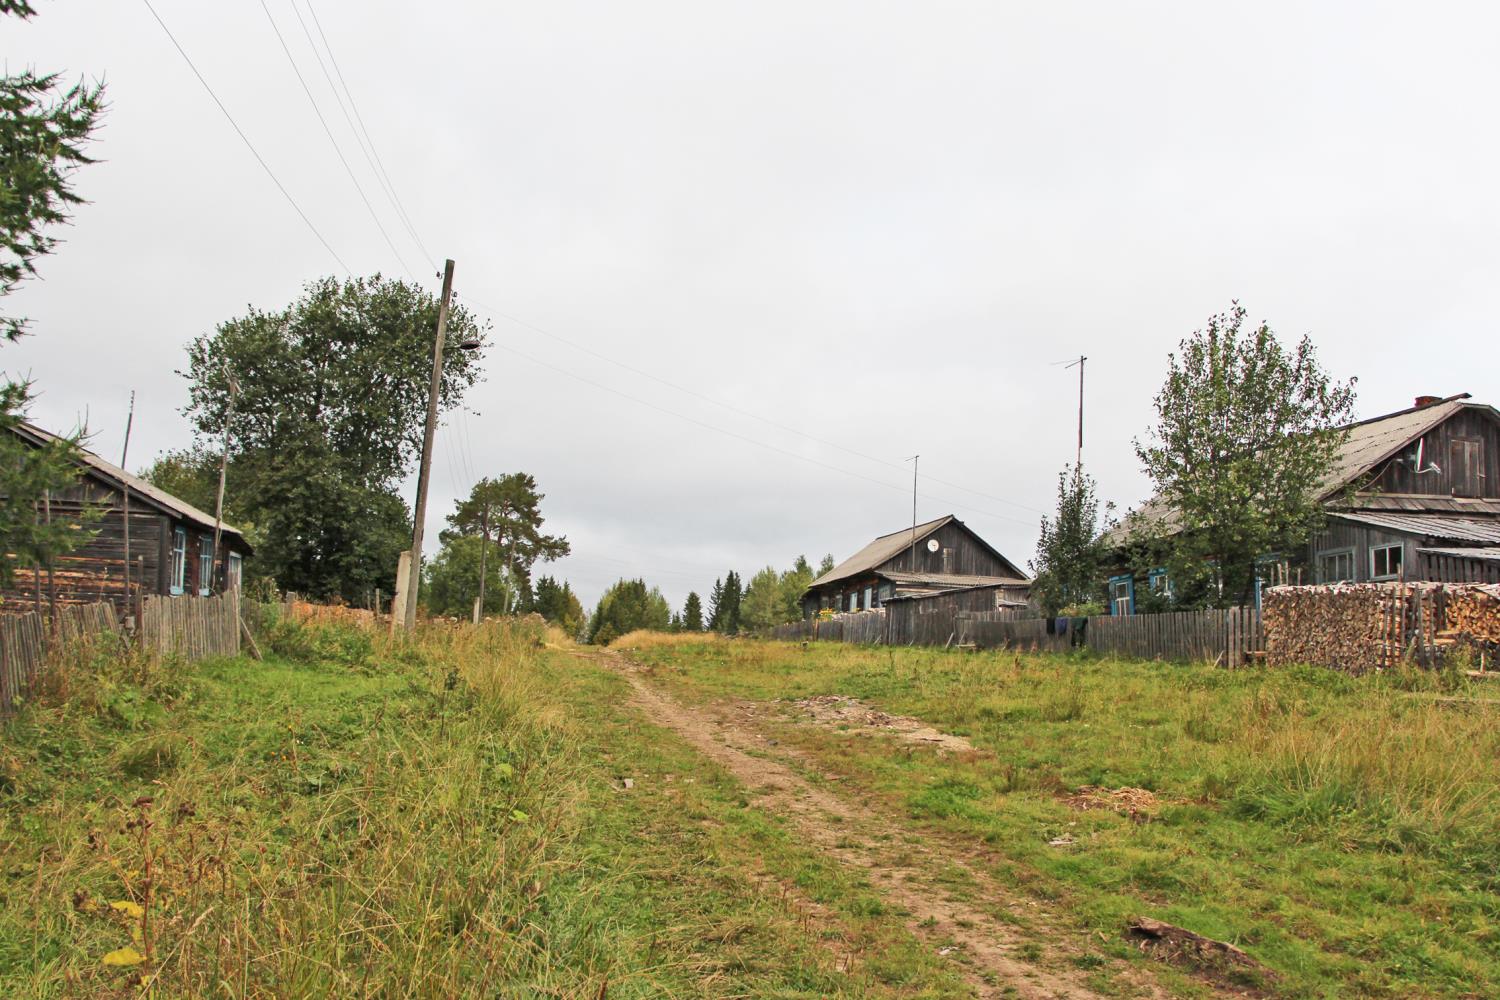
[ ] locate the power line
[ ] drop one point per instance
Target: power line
(246, 139)
(736, 409)
(390, 186)
(336, 148)
(741, 437)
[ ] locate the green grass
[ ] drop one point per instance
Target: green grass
(433, 819)
(1345, 832)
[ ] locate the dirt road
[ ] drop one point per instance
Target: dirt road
(1010, 947)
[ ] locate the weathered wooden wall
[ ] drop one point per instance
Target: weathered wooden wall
(192, 627)
(958, 552)
(1442, 448)
(1448, 567)
(27, 643)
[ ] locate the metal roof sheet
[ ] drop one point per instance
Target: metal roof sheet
(1481, 553)
(953, 580)
(137, 486)
(1444, 526)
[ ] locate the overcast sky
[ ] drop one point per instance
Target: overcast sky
(878, 224)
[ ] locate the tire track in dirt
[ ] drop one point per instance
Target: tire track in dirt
(911, 882)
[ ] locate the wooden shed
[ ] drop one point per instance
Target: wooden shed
(171, 541)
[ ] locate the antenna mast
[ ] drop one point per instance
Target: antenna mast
(914, 460)
(1078, 459)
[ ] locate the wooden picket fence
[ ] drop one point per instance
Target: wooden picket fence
(192, 627)
(1229, 637)
(27, 643)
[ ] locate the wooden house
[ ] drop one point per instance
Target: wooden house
(939, 556)
(1413, 495)
(171, 541)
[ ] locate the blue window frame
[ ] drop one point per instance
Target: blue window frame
(1122, 594)
(205, 565)
(178, 583)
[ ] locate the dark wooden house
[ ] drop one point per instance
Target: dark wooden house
(1413, 495)
(936, 557)
(171, 541)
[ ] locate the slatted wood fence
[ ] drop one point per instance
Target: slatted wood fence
(27, 643)
(192, 627)
(1229, 637)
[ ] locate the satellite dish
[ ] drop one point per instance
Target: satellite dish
(933, 545)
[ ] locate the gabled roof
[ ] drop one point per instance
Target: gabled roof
(139, 488)
(887, 547)
(1369, 443)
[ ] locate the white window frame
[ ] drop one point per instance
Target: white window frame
(178, 584)
(1345, 552)
(205, 565)
(235, 572)
(1400, 561)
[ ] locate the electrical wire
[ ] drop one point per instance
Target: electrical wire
(736, 409)
(246, 139)
(748, 440)
(336, 147)
(374, 151)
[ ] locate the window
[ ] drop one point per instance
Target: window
(1160, 581)
(1385, 562)
(854, 602)
(205, 565)
(236, 572)
(179, 560)
(1336, 566)
(1121, 595)
(869, 598)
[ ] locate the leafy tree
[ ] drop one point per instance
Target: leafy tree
(625, 607)
(793, 584)
(826, 566)
(1070, 553)
(44, 128)
(451, 580)
(1247, 432)
(692, 613)
(559, 605)
(762, 605)
(329, 417)
(508, 511)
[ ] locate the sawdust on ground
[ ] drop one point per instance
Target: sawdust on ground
(855, 716)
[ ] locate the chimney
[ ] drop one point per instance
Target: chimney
(1428, 400)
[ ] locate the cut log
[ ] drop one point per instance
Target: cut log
(1181, 946)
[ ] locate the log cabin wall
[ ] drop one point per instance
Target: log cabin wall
(959, 552)
(1465, 449)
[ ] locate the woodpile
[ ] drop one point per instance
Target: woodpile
(1361, 627)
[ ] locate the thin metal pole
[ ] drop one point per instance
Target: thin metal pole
(124, 456)
(414, 579)
(915, 461)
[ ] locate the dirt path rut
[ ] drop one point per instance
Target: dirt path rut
(988, 950)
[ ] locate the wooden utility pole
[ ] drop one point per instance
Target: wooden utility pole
(124, 456)
(414, 579)
(1078, 460)
(234, 390)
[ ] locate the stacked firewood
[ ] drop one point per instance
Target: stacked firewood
(1473, 613)
(1360, 627)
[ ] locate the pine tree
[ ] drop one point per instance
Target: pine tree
(716, 607)
(733, 595)
(692, 613)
